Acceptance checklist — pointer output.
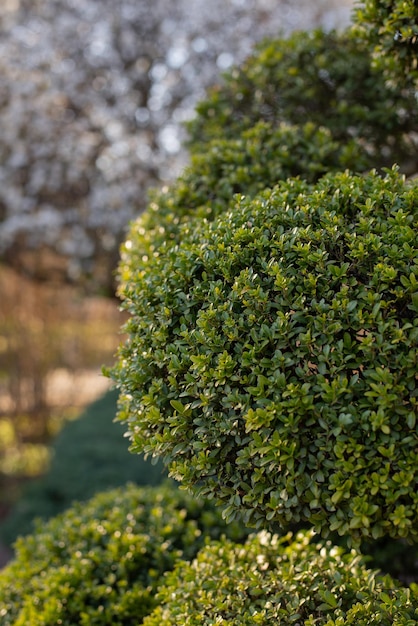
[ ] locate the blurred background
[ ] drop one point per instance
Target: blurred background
(93, 98)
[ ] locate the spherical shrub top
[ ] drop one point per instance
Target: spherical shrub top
(258, 158)
(269, 581)
(101, 561)
(324, 78)
(271, 358)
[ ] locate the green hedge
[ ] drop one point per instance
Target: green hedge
(89, 455)
(101, 562)
(323, 78)
(271, 358)
(271, 581)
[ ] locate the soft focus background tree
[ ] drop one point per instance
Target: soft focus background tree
(92, 100)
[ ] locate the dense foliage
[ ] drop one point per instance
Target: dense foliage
(101, 562)
(271, 581)
(296, 107)
(272, 356)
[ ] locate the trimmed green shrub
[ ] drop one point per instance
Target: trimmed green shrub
(259, 158)
(89, 455)
(101, 562)
(271, 358)
(392, 27)
(323, 78)
(271, 581)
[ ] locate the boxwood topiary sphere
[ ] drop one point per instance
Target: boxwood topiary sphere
(271, 359)
(269, 581)
(100, 562)
(324, 78)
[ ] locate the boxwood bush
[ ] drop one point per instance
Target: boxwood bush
(324, 78)
(100, 562)
(271, 358)
(271, 581)
(270, 362)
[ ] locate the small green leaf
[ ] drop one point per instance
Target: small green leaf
(179, 407)
(411, 420)
(329, 598)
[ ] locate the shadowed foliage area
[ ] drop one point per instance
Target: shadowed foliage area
(325, 78)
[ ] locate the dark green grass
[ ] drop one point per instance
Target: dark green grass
(89, 455)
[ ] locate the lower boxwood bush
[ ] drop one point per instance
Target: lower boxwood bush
(271, 359)
(271, 581)
(101, 562)
(88, 456)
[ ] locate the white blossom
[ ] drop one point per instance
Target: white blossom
(93, 98)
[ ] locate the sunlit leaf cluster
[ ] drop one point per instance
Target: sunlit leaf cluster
(280, 581)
